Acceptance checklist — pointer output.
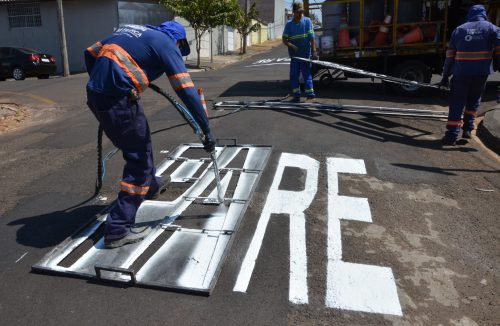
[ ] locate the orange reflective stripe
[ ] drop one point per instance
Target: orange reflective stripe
(470, 112)
(180, 81)
(127, 63)
(454, 123)
(481, 55)
(451, 53)
(176, 76)
(133, 189)
(95, 48)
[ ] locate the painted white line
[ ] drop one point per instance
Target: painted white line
(19, 259)
(286, 202)
(352, 286)
(268, 64)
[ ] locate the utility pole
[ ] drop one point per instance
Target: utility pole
(306, 8)
(62, 38)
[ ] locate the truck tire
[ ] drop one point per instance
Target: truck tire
(412, 70)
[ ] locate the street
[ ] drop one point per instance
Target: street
(356, 219)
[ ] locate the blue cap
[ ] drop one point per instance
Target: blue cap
(177, 32)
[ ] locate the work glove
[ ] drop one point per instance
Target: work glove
(208, 141)
(444, 82)
(293, 47)
(314, 55)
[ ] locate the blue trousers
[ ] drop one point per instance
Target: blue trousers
(465, 92)
(124, 123)
(296, 67)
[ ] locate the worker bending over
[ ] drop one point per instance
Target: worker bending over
(120, 68)
(471, 49)
(298, 36)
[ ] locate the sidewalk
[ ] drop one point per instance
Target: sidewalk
(222, 60)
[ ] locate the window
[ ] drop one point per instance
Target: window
(24, 15)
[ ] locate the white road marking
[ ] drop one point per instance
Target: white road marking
(286, 202)
(268, 64)
(354, 286)
(19, 259)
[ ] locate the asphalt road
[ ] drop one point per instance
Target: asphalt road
(421, 249)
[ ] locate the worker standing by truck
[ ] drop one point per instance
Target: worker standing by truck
(469, 58)
(298, 36)
(120, 68)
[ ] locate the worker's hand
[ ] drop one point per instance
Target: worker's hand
(314, 55)
(444, 83)
(293, 47)
(209, 142)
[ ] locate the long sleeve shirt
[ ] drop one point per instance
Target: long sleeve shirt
(473, 46)
(135, 55)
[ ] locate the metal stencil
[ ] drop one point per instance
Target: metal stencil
(190, 234)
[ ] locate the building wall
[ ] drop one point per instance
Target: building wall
(271, 12)
(142, 13)
(42, 38)
(280, 19)
(86, 22)
(212, 43)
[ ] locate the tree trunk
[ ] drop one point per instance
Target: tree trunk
(197, 36)
(245, 43)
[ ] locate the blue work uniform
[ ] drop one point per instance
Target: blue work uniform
(120, 68)
(469, 56)
(300, 34)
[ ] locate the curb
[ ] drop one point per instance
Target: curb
(489, 129)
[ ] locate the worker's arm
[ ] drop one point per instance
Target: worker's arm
(181, 82)
(286, 39)
(91, 54)
(312, 39)
(451, 52)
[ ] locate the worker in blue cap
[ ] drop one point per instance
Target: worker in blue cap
(298, 36)
(120, 67)
(472, 49)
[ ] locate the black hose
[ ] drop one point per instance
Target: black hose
(98, 182)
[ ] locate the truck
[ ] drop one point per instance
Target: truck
(402, 38)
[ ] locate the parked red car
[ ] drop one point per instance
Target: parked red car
(20, 63)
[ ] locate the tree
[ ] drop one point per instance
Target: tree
(314, 18)
(203, 15)
(243, 22)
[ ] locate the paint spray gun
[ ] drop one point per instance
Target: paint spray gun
(197, 129)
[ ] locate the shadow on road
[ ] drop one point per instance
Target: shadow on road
(377, 128)
(349, 90)
(50, 229)
(444, 171)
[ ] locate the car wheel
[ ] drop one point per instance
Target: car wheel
(18, 73)
(43, 77)
(411, 70)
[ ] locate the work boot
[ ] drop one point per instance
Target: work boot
(291, 99)
(311, 99)
(135, 234)
(467, 134)
(446, 141)
(162, 186)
